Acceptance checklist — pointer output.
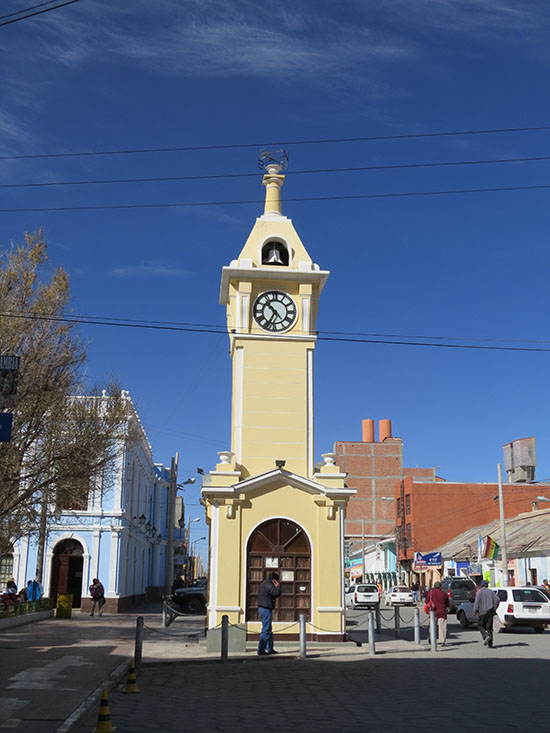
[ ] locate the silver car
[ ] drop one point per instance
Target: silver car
(399, 595)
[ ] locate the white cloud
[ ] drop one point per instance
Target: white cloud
(148, 269)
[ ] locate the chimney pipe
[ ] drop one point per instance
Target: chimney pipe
(368, 431)
(384, 430)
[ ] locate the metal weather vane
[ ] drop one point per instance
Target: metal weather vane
(277, 158)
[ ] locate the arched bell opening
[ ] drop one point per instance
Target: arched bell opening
(67, 567)
(275, 253)
(280, 546)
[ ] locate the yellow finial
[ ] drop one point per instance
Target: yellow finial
(274, 161)
(273, 182)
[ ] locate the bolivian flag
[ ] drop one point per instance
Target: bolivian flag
(491, 548)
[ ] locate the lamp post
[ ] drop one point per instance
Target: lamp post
(502, 527)
(193, 556)
(172, 488)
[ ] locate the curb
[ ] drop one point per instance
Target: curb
(112, 681)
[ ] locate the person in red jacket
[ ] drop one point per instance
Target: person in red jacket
(440, 601)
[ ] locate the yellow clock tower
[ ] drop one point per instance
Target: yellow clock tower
(266, 505)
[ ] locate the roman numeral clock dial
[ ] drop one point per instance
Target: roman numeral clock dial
(274, 311)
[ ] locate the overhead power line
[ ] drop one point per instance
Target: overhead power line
(81, 317)
(257, 202)
(38, 12)
(216, 176)
(234, 146)
(25, 10)
(223, 332)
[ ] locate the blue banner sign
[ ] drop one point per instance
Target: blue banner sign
(427, 560)
(6, 420)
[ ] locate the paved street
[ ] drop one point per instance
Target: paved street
(50, 668)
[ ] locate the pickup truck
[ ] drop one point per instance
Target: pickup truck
(190, 600)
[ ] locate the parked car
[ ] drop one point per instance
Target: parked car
(458, 590)
(519, 606)
(399, 595)
(362, 595)
(190, 600)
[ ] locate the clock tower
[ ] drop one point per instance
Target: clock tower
(266, 505)
(271, 293)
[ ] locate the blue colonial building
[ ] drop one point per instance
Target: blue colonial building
(118, 533)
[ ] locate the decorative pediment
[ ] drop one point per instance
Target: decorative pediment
(274, 478)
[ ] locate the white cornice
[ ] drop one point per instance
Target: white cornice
(273, 273)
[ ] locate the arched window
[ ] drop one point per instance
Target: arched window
(275, 253)
(280, 546)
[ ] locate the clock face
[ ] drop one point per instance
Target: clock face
(274, 311)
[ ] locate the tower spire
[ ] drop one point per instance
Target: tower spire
(273, 161)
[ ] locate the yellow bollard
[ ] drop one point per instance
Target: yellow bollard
(131, 682)
(104, 717)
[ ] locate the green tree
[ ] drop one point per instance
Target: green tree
(61, 441)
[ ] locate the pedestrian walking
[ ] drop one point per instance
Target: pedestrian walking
(414, 588)
(485, 608)
(439, 601)
(98, 596)
(268, 593)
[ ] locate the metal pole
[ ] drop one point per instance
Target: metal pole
(397, 620)
(416, 626)
(303, 650)
(502, 528)
(433, 631)
(372, 648)
(378, 621)
(225, 637)
(139, 641)
(169, 570)
(363, 548)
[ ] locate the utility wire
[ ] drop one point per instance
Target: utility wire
(81, 317)
(25, 10)
(256, 202)
(233, 146)
(356, 169)
(223, 332)
(38, 12)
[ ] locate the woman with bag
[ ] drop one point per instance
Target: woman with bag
(98, 596)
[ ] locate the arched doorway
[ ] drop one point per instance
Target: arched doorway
(67, 567)
(280, 546)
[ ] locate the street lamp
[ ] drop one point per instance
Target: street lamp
(193, 545)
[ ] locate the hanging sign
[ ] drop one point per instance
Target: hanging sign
(9, 371)
(427, 560)
(6, 420)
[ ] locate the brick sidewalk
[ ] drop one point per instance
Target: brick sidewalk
(354, 692)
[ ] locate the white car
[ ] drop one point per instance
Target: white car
(362, 594)
(519, 606)
(399, 595)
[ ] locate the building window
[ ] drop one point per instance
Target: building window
(408, 503)
(399, 506)
(408, 533)
(6, 569)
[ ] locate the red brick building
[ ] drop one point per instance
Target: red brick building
(373, 468)
(430, 514)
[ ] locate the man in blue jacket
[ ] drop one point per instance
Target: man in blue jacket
(268, 592)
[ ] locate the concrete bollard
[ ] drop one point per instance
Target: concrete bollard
(433, 631)
(416, 626)
(139, 641)
(397, 621)
(372, 647)
(378, 620)
(303, 649)
(225, 637)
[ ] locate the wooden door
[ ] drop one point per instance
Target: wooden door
(280, 546)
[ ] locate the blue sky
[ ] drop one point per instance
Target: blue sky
(94, 76)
